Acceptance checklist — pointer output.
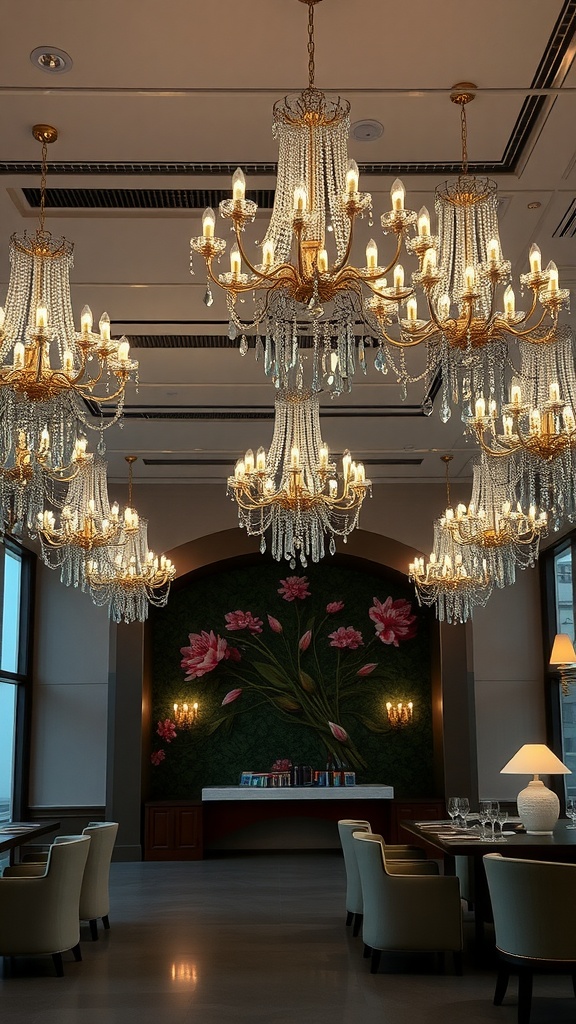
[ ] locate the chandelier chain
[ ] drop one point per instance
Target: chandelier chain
(311, 45)
(464, 136)
(44, 171)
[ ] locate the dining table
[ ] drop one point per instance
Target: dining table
(470, 842)
(16, 833)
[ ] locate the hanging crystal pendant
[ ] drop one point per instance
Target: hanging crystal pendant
(208, 297)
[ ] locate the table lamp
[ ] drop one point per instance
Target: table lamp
(563, 658)
(538, 806)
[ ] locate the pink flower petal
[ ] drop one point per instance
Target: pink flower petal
(230, 696)
(304, 642)
(338, 732)
(275, 625)
(366, 670)
(334, 606)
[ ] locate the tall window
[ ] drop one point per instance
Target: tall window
(559, 590)
(15, 623)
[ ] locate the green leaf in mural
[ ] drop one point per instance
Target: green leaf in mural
(272, 675)
(307, 682)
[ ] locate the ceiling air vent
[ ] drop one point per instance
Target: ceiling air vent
(567, 226)
(140, 198)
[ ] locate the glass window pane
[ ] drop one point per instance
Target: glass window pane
(8, 694)
(564, 604)
(11, 611)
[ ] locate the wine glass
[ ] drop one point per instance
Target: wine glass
(571, 811)
(463, 808)
(502, 818)
(453, 807)
(486, 811)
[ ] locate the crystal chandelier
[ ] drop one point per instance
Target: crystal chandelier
(294, 490)
(126, 575)
(48, 370)
(87, 522)
(455, 579)
(494, 525)
(299, 286)
(536, 427)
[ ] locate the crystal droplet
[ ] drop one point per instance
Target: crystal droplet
(303, 561)
(243, 345)
(292, 563)
(332, 546)
(262, 545)
(403, 391)
(208, 297)
(445, 412)
(258, 349)
(232, 332)
(428, 406)
(379, 362)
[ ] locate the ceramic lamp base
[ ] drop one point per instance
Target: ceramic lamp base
(539, 808)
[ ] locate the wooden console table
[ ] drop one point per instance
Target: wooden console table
(291, 817)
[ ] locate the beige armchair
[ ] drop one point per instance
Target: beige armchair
(95, 895)
(346, 827)
(406, 912)
(39, 911)
(533, 905)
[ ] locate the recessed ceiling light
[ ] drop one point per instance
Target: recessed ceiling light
(367, 131)
(51, 59)
(534, 206)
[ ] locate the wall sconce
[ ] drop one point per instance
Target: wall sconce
(186, 715)
(563, 659)
(399, 714)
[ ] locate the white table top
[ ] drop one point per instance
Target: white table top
(372, 792)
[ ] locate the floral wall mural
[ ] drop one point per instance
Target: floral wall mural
(291, 667)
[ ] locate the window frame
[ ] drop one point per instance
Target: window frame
(549, 631)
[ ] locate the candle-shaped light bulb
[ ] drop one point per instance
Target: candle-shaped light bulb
(534, 421)
(371, 255)
(68, 362)
(268, 253)
(470, 279)
(208, 222)
(509, 301)
(398, 277)
(104, 325)
(41, 317)
(235, 260)
(507, 423)
(239, 470)
(332, 487)
(352, 177)
(249, 461)
(300, 198)
(323, 456)
(412, 308)
(18, 358)
(86, 320)
(260, 460)
(480, 409)
(569, 420)
(493, 251)
(552, 270)
(346, 463)
(424, 223)
(238, 184)
(124, 351)
(295, 457)
(360, 473)
(516, 395)
(397, 193)
(535, 257)
(554, 391)
(322, 261)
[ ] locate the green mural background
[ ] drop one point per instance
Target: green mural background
(249, 735)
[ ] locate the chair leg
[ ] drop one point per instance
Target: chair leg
(106, 922)
(367, 951)
(349, 917)
(58, 964)
(375, 961)
(501, 984)
(77, 952)
(357, 923)
(524, 996)
(94, 929)
(457, 955)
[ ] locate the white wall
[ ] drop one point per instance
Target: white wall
(72, 644)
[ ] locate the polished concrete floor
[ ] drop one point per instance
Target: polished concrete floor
(253, 939)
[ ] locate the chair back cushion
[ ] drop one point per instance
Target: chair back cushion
(94, 897)
(534, 906)
(346, 826)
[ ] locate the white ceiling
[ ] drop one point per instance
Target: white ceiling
(159, 92)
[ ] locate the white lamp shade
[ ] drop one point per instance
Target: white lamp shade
(538, 806)
(563, 652)
(535, 759)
